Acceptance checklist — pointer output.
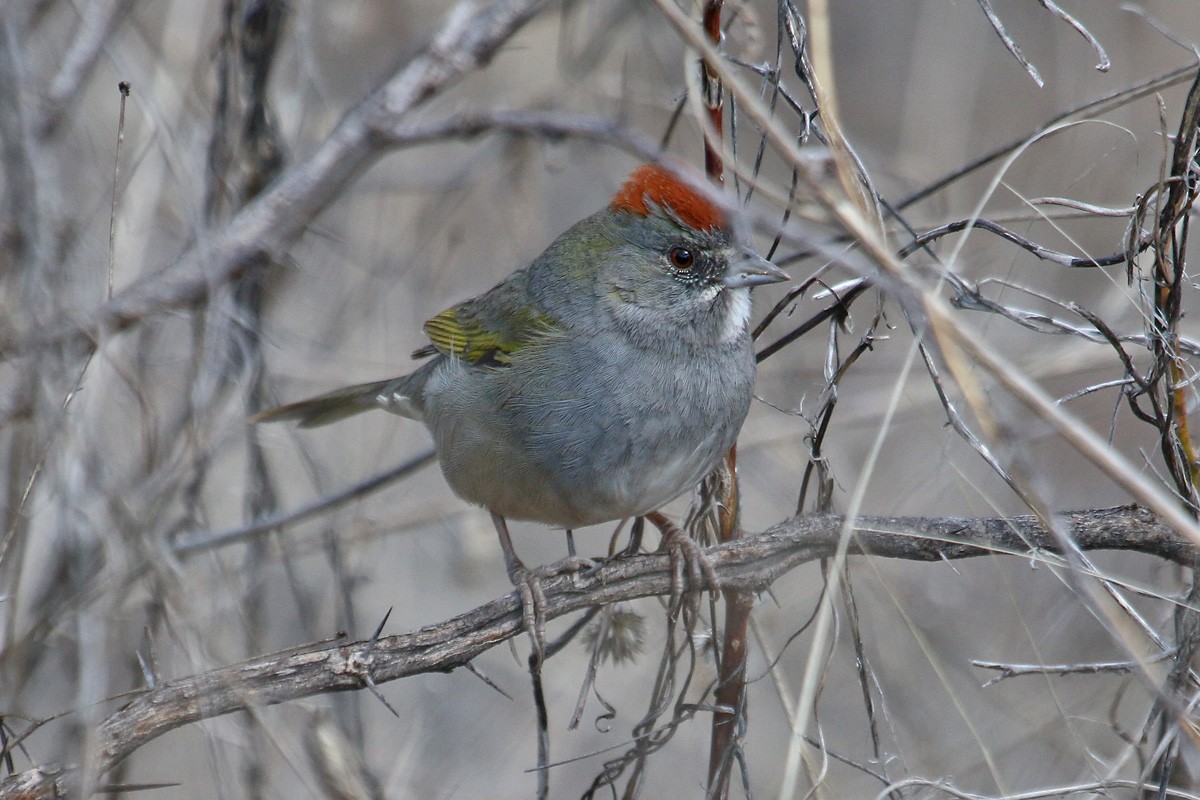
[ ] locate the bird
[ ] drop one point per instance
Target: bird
(598, 383)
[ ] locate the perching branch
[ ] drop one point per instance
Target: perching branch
(750, 564)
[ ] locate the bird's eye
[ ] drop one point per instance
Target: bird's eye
(681, 258)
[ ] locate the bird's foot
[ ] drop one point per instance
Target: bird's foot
(528, 583)
(571, 565)
(688, 559)
(580, 569)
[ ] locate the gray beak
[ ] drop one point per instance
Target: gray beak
(752, 270)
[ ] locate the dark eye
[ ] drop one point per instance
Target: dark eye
(681, 258)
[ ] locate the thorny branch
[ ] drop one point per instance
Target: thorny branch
(750, 564)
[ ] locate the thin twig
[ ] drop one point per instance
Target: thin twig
(194, 542)
(1038, 250)
(1091, 108)
(1008, 670)
(1010, 44)
(1102, 61)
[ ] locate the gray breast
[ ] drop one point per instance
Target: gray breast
(590, 434)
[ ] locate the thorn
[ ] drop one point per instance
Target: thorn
(471, 668)
(378, 630)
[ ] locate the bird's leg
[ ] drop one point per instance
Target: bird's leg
(685, 555)
(578, 566)
(573, 563)
(533, 611)
(529, 581)
(529, 584)
(635, 538)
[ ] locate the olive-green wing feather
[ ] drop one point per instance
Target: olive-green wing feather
(488, 329)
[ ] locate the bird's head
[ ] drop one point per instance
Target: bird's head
(674, 260)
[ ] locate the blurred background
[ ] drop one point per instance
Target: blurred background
(110, 458)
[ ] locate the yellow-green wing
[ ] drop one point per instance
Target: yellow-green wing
(487, 330)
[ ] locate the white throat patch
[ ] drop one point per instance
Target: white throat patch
(738, 316)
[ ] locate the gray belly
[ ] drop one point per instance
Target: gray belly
(544, 439)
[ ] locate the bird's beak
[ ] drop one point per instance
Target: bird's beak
(752, 270)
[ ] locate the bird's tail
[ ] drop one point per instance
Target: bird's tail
(341, 403)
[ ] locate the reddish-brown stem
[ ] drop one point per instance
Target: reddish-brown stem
(731, 685)
(710, 83)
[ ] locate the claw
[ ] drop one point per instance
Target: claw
(577, 567)
(533, 605)
(569, 565)
(687, 557)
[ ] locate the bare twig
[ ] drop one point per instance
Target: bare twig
(551, 125)
(1038, 250)
(1102, 60)
(1010, 44)
(1093, 107)
(123, 88)
(194, 542)
(1008, 670)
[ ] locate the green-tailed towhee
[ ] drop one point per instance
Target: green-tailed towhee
(598, 383)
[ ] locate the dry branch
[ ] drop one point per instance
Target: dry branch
(750, 564)
(468, 39)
